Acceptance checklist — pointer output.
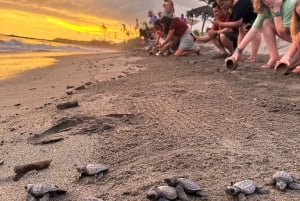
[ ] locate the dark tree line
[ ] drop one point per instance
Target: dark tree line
(204, 11)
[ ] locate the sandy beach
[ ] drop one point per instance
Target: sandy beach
(148, 118)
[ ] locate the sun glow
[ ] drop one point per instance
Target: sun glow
(74, 27)
(42, 26)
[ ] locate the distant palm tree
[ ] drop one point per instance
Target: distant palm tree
(124, 28)
(137, 25)
(204, 11)
(104, 29)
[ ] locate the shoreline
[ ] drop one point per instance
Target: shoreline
(70, 70)
(14, 63)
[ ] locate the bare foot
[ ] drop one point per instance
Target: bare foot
(268, 65)
(250, 59)
(296, 70)
(271, 63)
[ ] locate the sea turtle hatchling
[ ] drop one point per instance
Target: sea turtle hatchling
(243, 188)
(283, 180)
(162, 193)
(184, 185)
(97, 170)
(42, 191)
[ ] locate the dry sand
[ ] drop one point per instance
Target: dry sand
(149, 118)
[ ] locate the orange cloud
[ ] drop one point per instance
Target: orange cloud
(25, 23)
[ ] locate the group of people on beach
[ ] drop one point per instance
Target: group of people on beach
(236, 23)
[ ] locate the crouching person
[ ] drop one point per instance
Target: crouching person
(174, 28)
(213, 34)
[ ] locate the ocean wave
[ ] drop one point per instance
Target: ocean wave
(16, 45)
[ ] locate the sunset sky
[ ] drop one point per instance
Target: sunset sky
(79, 19)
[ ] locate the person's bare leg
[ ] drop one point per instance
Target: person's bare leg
(219, 46)
(269, 33)
(228, 44)
(180, 52)
(254, 48)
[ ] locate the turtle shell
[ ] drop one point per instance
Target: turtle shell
(247, 186)
(283, 176)
(41, 189)
(189, 185)
(92, 169)
(162, 192)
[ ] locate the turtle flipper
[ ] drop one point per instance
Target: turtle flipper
(81, 175)
(232, 190)
(46, 197)
(181, 193)
(99, 175)
(271, 182)
(281, 185)
(294, 186)
(57, 192)
(30, 198)
(241, 197)
(260, 190)
(201, 194)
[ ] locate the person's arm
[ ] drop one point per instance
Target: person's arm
(158, 36)
(168, 38)
(247, 38)
(233, 24)
(278, 21)
(207, 37)
(224, 30)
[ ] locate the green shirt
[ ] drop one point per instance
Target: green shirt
(287, 9)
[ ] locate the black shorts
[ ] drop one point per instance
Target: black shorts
(233, 37)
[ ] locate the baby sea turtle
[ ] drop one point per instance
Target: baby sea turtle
(97, 170)
(243, 188)
(162, 193)
(283, 180)
(186, 185)
(42, 191)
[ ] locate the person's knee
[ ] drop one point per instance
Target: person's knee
(211, 34)
(268, 24)
(224, 39)
(178, 53)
